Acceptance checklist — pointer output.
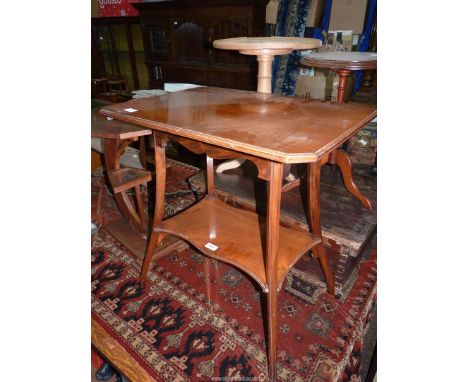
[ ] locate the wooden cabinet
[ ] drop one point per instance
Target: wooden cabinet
(118, 51)
(178, 38)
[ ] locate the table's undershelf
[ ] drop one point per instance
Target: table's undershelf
(239, 236)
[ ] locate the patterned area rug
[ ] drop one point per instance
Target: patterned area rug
(200, 320)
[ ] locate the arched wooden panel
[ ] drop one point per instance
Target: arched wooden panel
(188, 42)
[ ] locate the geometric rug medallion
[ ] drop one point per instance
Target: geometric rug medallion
(199, 319)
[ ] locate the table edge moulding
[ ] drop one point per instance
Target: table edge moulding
(333, 61)
(251, 102)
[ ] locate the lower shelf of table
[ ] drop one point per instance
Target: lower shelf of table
(125, 178)
(239, 238)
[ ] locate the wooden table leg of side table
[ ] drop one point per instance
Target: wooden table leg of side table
(156, 237)
(264, 73)
(343, 75)
(340, 157)
(272, 238)
(344, 163)
(112, 161)
(313, 194)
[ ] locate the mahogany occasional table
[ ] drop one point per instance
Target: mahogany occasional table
(218, 122)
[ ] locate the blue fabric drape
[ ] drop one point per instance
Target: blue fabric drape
(320, 31)
(291, 20)
(292, 16)
(365, 38)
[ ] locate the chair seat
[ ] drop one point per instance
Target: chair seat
(127, 177)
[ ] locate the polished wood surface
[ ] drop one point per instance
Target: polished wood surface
(341, 60)
(101, 127)
(239, 236)
(125, 178)
(283, 129)
(265, 48)
(273, 43)
(346, 224)
(137, 245)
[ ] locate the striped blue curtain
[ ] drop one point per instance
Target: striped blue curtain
(365, 38)
(320, 31)
(291, 21)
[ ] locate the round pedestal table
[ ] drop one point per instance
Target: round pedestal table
(343, 63)
(266, 48)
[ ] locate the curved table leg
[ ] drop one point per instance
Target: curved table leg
(343, 161)
(112, 160)
(313, 195)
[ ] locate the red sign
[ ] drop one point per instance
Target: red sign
(109, 8)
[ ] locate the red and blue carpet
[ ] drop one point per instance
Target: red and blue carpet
(199, 319)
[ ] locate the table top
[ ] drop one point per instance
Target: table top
(101, 127)
(341, 60)
(279, 128)
(272, 43)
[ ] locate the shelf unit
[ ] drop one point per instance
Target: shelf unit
(239, 236)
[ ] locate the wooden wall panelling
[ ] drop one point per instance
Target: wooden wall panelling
(179, 35)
